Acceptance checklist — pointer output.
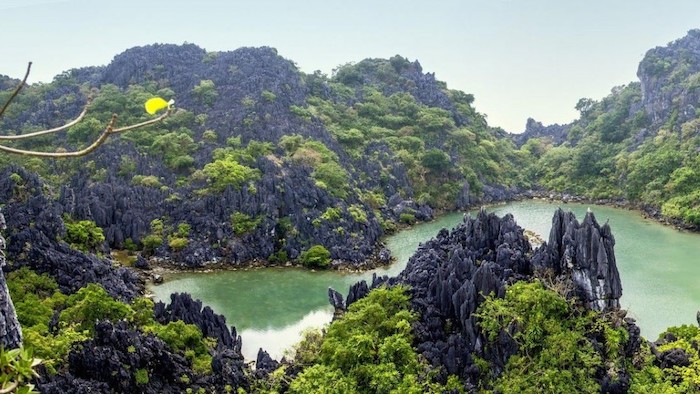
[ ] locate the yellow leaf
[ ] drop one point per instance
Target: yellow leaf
(155, 104)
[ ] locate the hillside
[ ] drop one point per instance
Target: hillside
(261, 161)
(639, 144)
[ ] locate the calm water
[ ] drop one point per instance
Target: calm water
(659, 266)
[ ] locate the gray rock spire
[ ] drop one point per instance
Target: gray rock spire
(10, 330)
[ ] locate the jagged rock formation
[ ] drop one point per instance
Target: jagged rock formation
(183, 307)
(450, 275)
(108, 363)
(584, 252)
(10, 330)
(105, 365)
(34, 231)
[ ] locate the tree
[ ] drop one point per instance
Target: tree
(436, 160)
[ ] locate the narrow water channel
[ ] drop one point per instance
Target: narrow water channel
(659, 266)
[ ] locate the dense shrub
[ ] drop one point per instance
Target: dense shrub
(316, 256)
(83, 235)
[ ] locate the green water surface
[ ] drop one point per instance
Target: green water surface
(659, 266)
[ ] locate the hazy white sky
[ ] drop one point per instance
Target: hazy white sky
(520, 58)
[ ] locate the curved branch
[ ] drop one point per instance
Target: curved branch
(109, 130)
(54, 130)
(19, 87)
(11, 388)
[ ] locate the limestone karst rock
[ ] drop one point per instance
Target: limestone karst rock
(10, 330)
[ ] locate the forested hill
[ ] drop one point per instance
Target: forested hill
(261, 161)
(639, 144)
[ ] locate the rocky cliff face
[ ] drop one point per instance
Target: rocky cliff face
(285, 189)
(670, 79)
(450, 275)
(10, 330)
(34, 232)
(231, 98)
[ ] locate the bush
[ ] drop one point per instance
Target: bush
(83, 235)
(315, 257)
(90, 304)
(407, 218)
(227, 171)
(141, 376)
(177, 243)
(357, 213)
(146, 181)
(554, 352)
(243, 224)
(186, 338)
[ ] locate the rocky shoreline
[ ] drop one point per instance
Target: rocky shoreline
(159, 268)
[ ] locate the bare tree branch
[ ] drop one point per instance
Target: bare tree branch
(54, 130)
(19, 87)
(109, 130)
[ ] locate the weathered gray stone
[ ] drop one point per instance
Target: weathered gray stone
(10, 330)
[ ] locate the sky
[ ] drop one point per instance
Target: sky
(520, 58)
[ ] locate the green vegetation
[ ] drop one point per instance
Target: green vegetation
(328, 172)
(188, 339)
(206, 91)
(83, 235)
(439, 154)
(38, 299)
(227, 172)
(315, 257)
(179, 239)
(155, 238)
(17, 370)
(244, 224)
(612, 153)
(554, 352)
(368, 350)
(652, 378)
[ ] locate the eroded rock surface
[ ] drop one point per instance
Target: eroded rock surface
(34, 232)
(10, 330)
(584, 252)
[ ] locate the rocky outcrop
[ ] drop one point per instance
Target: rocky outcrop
(585, 253)
(183, 307)
(104, 364)
(35, 229)
(121, 360)
(112, 361)
(450, 275)
(670, 80)
(10, 330)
